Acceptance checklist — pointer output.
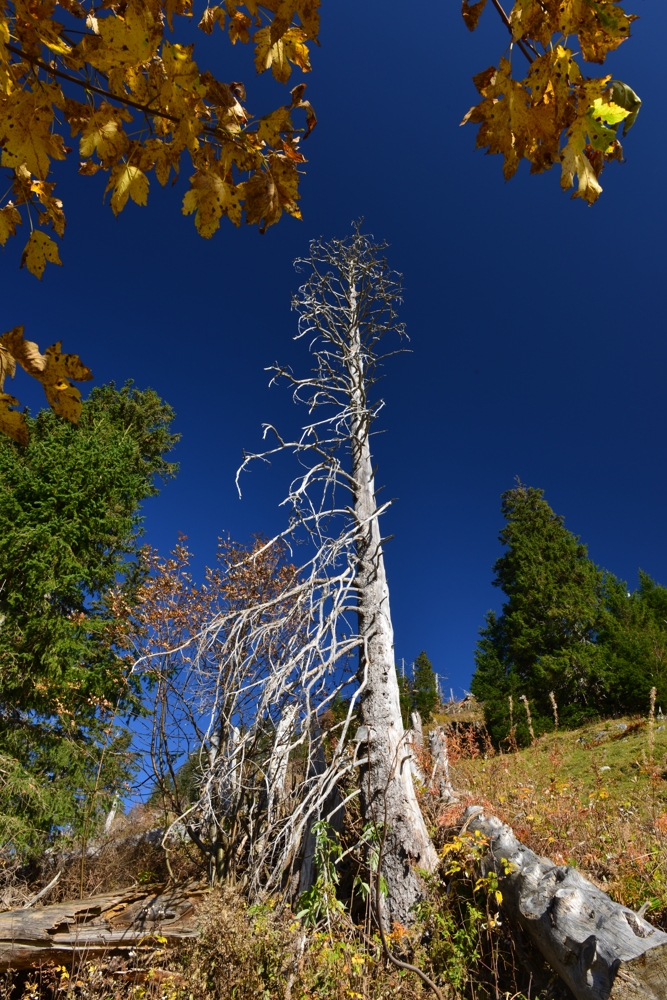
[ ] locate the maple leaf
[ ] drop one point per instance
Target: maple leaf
(127, 181)
(268, 193)
(122, 42)
(26, 119)
(211, 197)
(12, 422)
(39, 250)
(307, 11)
(600, 26)
(53, 369)
(52, 213)
(10, 218)
(24, 352)
(592, 131)
(277, 56)
(181, 7)
(7, 366)
(101, 129)
(209, 18)
(511, 124)
(625, 96)
(472, 13)
(239, 27)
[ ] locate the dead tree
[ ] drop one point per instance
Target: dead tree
(120, 922)
(602, 950)
(250, 684)
(346, 307)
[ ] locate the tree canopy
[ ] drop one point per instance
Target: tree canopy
(70, 531)
(568, 628)
(126, 63)
(555, 113)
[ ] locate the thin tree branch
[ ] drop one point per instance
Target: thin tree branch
(508, 24)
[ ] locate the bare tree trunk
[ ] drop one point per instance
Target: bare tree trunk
(387, 792)
(438, 742)
(602, 950)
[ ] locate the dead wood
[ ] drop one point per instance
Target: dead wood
(602, 950)
(101, 925)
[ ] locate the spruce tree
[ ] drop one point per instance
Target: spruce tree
(544, 639)
(70, 529)
(424, 687)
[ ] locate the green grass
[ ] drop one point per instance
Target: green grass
(594, 798)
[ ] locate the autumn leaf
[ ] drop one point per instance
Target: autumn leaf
(593, 130)
(12, 422)
(209, 18)
(211, 197)
(471, 13)
(626, 98)
(308, 12)
(126, 182)
(10, 218)
(268, 193)
(277, 56)
(64, 399)
(122, 42)
(7, 366)
(26, 120)
(24, 352)
(39, 250)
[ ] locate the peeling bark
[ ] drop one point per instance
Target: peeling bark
(98, 926)
(602, 950)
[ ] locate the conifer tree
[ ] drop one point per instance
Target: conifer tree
(544, 639)
(69, 539)
(424, 687)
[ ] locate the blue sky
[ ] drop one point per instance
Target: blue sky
(537, 324)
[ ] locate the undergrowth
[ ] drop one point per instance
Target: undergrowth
(595, 798)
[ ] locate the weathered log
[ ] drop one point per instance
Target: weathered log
(97, 926)
(602, 950)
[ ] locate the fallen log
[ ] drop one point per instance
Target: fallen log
(102, 925)
(602, 950)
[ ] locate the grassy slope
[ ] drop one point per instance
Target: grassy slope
(594, 798)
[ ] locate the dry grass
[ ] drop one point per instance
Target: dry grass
(595, 798)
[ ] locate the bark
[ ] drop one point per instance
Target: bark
(387, 793)
(438, 743)
(101, 925)
(602, 950)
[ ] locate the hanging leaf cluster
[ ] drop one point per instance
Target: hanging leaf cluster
(136, 101)
(555, 114)
(55, 370)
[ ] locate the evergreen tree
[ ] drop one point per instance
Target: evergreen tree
(544, 639)
(69, 540)
(424, 687)
(633, 646)
(405, 697)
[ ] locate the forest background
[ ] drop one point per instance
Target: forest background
(536, 323)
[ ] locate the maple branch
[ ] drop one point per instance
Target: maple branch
(508, 24)
(90, 86)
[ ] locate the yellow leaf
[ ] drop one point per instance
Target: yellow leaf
(7, 366)
(209, 18)
(102, 133)
(277, 56)
(127, 182)
(211, 197)
(181, 7)
(10, 218)
(39, 250)
(26, 119)
(270, 126)
(126, 41)
(25, 352)
(307, 11)
(12, 422)
(64, 399)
